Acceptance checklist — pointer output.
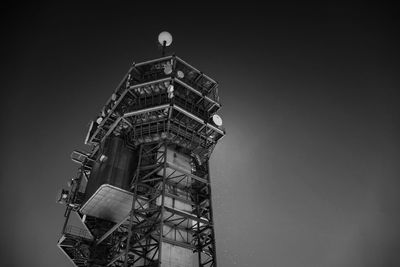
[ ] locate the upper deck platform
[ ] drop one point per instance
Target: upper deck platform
(142, 77)
(162, 98)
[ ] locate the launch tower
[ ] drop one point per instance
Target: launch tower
(142, 195)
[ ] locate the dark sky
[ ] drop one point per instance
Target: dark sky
(308, 174)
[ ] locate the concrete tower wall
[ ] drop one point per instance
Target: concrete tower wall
(175, 256)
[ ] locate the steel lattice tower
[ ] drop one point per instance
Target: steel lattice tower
(142, 194)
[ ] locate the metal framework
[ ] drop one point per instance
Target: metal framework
(161, 106)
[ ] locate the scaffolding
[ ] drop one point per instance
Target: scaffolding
(158, 122)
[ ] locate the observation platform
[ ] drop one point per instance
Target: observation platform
(164, 98)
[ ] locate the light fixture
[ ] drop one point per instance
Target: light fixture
(165, 38)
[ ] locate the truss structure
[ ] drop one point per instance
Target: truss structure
(163, 111)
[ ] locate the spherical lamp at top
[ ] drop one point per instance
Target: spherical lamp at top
(165, 38)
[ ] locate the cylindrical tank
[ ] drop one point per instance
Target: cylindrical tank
(116, 166)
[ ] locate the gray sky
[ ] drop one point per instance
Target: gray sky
(308, 174)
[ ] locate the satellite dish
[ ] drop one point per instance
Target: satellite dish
(168, 68)
(217, 120)
(165, 38)
(62, 196)
(180, 74)
(103, 158)
(90, 131)
(170, 91)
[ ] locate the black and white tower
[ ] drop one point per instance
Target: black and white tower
(142, 195)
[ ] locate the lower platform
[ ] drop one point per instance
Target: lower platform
(109, 202)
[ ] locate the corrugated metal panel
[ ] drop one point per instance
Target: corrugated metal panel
(116, 170)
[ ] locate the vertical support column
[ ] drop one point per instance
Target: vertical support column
(205, 235)
(161, 224)
(132, 213)
(198, 229)
(214, 253)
